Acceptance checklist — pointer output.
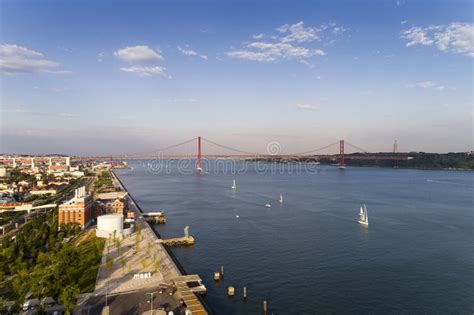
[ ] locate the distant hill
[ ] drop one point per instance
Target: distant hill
(418, 160)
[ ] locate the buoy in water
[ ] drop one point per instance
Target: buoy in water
(230, 291)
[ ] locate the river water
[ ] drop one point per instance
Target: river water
(309, 255)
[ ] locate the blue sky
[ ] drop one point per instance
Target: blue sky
(100, 77)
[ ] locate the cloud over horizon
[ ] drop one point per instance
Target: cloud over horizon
(427, 85)
(309, 107)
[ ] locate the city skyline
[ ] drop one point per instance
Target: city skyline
(113, 78)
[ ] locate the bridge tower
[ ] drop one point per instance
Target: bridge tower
(341, 155)
(199, 157)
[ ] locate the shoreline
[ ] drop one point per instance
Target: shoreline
(171, 255)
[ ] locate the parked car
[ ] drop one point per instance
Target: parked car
(31, 304)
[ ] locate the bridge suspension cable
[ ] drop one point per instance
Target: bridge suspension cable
(230, 148)
(315, 150)
(357, 148)
(160, 149)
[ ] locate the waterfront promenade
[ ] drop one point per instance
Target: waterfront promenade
(163, 268)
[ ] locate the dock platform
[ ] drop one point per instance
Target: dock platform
(155, 217)
(178, 241)
(187, 286)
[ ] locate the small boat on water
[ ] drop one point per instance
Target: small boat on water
(363, 217)
(281, 198)
(234, 185)
(267, 205)
(237, 216)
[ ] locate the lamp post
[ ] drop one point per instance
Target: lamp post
(151, 302)
(106, 293)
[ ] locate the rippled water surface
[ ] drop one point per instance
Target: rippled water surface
(309, 255)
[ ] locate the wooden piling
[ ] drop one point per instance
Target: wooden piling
(245, 293)
(265, 307)
(222, 271)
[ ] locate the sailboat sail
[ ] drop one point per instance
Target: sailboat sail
(363, 218)
(281, 198)
(234, 185)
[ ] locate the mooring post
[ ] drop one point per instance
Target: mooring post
(265, 307)
(245, 293)
(222, 271)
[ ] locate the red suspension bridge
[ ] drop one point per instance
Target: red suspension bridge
(273, 152)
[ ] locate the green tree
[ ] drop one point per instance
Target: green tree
(68, 297)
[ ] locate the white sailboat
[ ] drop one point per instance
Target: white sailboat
(267, 205)
(363, 217)
(281, 198)
(234, 185)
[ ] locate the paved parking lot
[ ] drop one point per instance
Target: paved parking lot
(133, 303)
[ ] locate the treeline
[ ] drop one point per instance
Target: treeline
(418, 160)
(104, 183)
(43, 261)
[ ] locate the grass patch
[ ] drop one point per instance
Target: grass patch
(90, 251)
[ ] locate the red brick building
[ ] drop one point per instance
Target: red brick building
(77, 210)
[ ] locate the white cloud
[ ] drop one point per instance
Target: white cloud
(287, 44)
(58, 71)
(140, 58)
(455, 38)
(138, 54)
(261, 51)
(38, 113)
(319, 52)
(189, 52)
(427, 85)
(18, 59)
(416, 36)
(298, 33)
(251, 55)
(147, 71)
(307, 107)
(403, 22)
